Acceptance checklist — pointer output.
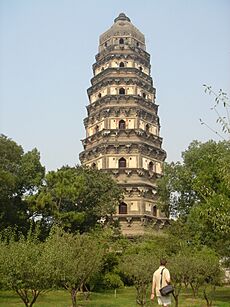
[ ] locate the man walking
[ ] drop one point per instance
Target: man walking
(161, 278)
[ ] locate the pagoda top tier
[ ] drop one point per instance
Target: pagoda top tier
(123, 17)
(122, 32)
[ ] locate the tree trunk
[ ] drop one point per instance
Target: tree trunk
(35, 296)
(176, 298)
(194, 290)
(141, 295)
(208, 302)
(23, 296)
(73, 297)
(86, 292)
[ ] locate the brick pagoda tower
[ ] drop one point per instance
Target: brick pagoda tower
(122, 126)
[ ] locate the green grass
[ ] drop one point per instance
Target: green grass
(125, 298)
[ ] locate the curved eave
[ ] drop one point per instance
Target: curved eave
(119, 49)
(114, 72)
(119, 99)
(120, 81)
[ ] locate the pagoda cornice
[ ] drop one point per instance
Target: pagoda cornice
(121, 147)
(116, 133)
(147, 220)
(117, 100)
(141, 173)
(116, 111)
(122, 50)
(94, 154)
(119, 56)
(124, 147)
(119, 71)
(117, 80)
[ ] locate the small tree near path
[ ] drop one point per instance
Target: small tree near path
(139, 267)
(207, 273)
(199, 268)
(75, 259)
(24, 269)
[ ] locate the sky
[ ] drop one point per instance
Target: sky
(48, 47)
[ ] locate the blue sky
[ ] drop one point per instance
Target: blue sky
(47, 49)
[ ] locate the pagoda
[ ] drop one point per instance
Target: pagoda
(122, 125)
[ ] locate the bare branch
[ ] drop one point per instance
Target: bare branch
(222, 99)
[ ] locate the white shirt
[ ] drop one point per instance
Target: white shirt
(157, 279)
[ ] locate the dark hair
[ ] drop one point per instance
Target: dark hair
(163, 261)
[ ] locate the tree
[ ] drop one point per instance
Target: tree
(139, 268)
(176, 195)
(76, 198)
(75, 259)
(198, 267)
(179, 269)
(20, 174)
(210, 215)
(25, 269)
(108, 277)
(113, 281)
(212, 219)
(205, 272)
(199, 188)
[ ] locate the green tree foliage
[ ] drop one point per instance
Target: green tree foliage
(139, 268)
(209, 224)
(109, 277)
(198, 191)
(175, 190)
(76, 197)
(113, 281)
(25, 269)
(199, 268)
(20, 174)
(75, 258)
(179, 271)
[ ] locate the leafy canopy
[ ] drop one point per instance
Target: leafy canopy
(76, 197)
(20, 174)
(198, 192)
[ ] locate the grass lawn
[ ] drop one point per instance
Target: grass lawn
(125, 298)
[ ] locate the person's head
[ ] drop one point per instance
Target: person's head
(163, 261)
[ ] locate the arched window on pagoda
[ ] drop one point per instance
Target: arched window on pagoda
(123, 208)
(96, 128)
(147, 127)
(121, 41)
(122, 64)
(144, 95)
(140, 68)
(154, 211)
(121, 163)
(151, 166)
(121, 91)
(99, 95)
(121, 124)
(93, 165)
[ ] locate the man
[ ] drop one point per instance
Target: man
(161, 278)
